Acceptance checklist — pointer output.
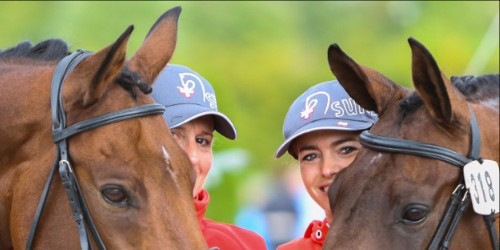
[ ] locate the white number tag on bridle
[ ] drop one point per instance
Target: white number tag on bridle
(482, 180)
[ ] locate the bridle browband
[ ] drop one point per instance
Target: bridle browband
(60, 133)
(459, 200)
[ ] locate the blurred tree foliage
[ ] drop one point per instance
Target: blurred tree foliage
(260, 56)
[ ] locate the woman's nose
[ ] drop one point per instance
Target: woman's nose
(193, 155)
(330, 167)
(194, 158)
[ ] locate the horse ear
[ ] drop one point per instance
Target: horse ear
(158, 47)
(440, 97)
(102, 67)
(370, 89)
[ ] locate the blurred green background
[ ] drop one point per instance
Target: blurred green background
(260, 56)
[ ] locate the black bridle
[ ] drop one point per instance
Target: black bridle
(460, 198)
(60, 133)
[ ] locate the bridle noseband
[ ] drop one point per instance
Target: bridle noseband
(460, 198)
(60, 133)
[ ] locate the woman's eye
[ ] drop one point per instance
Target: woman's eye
(348, 150)
(115, 195)
(309, 157)
(203, 141)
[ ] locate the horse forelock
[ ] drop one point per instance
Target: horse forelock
(410, 104)
(129, 79)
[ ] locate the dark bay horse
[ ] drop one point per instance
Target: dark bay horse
(133, 178)
(394, 198)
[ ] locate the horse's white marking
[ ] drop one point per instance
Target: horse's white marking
(166, 157)
(375, 158)
(165, 154)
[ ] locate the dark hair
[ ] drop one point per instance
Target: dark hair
(53, 50)
(474, 88)
(48, 50)
(477, 88)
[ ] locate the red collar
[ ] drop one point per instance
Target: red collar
(317, 231)
(201, 201)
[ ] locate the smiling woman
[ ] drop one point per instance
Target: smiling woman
(113, 178)
(321, 131)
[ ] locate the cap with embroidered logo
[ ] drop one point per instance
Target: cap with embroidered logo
(186, 96)
(325, 106)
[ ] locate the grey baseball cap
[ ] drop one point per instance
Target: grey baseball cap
(325, 106)
(186, 96)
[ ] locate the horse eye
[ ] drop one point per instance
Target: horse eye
(414, 214)
(115, 195)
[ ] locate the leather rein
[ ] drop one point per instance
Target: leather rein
(460, 198)
(60, 133)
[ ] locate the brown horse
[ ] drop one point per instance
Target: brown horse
(390, 198)
(136, 182)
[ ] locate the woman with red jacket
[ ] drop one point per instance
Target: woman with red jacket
(321, 131)
(192, 116)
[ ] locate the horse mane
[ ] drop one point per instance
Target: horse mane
(48, 50)
(478, 88)
(474, 88)
(53, 50)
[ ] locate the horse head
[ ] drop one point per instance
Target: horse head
(136, 181)
(396, 200)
